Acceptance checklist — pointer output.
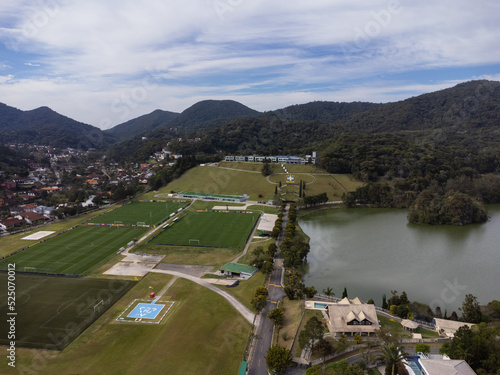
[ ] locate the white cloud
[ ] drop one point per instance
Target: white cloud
(95, 54)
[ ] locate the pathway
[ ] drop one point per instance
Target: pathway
(264, 333)
(243, 310)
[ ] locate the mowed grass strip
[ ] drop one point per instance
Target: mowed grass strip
(53, 311)
(149, 213)
(212, 229)
(76, 251)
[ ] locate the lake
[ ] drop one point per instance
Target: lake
(373, 251)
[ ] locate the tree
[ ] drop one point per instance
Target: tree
(260, 299)
(438, 312)
(310, 291)
(403, 299)
(344, 293)
(471, 311)
(478, 346)
(324, 347)
(358, 339)
(384, 302)
(278, 359)
(422, 348)
(313, 330)
(392, 355)
(328, 292)
(277, 316)
(266, 169)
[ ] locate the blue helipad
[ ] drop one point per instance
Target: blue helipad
(146, 311)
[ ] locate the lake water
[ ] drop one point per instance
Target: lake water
(373, 251)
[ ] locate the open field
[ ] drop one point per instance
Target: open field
(293, 313)
(76, 251)
(11, 243)
(395, 328)
(213, 180)
(202, 334)
(53, 311)
(212, 229)
(199, 256)
(150, 213)
(245, 291)
(275, 167)
(334, 185)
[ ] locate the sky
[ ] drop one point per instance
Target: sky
(104, 62)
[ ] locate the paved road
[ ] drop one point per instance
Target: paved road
(245, 311)
(264, 333)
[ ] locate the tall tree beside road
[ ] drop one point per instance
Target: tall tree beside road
(278, 359)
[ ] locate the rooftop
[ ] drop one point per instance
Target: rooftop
(238, 268)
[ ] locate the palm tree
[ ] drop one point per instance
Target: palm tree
(392, 355)
(328, 292)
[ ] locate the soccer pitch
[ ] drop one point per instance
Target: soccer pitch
(149, 213)
(212, 229)
(52, 311)
(74, 252)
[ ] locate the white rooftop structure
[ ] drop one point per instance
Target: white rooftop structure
(446, 367)
(351, 317)
(449, 327)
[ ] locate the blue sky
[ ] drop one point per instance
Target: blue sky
(104, 62)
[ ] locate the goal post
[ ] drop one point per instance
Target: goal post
(141, 223)
(194, 240)
(29, 269)
(98, 306)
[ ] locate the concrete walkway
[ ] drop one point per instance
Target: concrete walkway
(245, 311)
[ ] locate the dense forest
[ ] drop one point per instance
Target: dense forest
(446, 141)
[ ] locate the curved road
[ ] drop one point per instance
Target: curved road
(245, 311)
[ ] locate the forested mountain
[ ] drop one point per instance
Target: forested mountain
(322, 111)
(45, 127)
(11, 162)
(474, 104)
(210, 113)
(141, 125)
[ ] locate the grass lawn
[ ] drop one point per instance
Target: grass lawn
(395, 328)
(245, 259)
(202, 334)
(150, 213)
(249, 166)
(334, 185)
(76, 251)
(211, 229)
(213, 180)
(265, 209)
(293, 313)
(245, 180)
(245, 291)
(296, 350)
(200, 256)
(46, 306)
(11, 243)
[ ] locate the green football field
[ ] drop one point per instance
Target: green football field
(52, 311)
(76, 251)
(213, 229)
(148, 213)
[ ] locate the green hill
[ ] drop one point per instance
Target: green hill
(46, 127)
(142, 124)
